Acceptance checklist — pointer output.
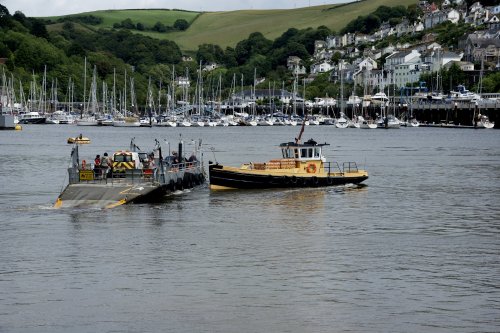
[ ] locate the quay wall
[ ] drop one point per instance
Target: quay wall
(460, 113)
(457, 113)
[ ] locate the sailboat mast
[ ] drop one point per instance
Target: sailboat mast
(125, 95)
(341, 64)
(84, 87)
(173, 87)
(113, 101)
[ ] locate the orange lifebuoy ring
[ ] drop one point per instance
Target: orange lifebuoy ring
(84, 164)
(311, 168)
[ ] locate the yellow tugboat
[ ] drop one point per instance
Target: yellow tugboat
(301, 165)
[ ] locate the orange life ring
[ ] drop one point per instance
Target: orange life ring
(311, 168)
(84, 164)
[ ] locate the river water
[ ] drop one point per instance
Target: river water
(415, 250)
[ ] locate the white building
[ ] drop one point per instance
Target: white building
(375, 80)
(367, 63)
(398, 58)
(347, 39)
(408, 72)
(332, 42)
(210, 67)
(453, 16)
(436, 59)
(182, 81)
(363, 71)
(322, 67)
(493, 23)
(434, 46)
(418, 26)
(294, 65)
(299, 70)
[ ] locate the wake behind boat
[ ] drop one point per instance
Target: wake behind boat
(301, 165)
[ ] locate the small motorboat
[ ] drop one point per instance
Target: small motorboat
(79, 139)
(483, 122)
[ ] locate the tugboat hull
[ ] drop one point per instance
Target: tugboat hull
(222, 178)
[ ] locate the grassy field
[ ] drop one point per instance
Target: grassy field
(228, 28)
(148, 17)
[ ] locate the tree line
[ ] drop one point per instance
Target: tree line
(179, 25)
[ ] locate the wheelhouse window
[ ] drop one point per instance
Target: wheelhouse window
(287, 153)
(306, 153)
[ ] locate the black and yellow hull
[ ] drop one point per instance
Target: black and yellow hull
(224, 178)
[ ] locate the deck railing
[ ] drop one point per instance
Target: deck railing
(332, 167)
(101, 176)
(349, 167)
(134, 176)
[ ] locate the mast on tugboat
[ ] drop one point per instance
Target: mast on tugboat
(297, 140)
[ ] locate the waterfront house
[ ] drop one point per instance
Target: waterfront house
(364, 68)
(407, 72)
(400, 57)
(375, 80)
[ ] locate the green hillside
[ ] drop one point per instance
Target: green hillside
(228, 28)
(148, 17)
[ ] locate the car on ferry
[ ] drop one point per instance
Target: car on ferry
(126, 160)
